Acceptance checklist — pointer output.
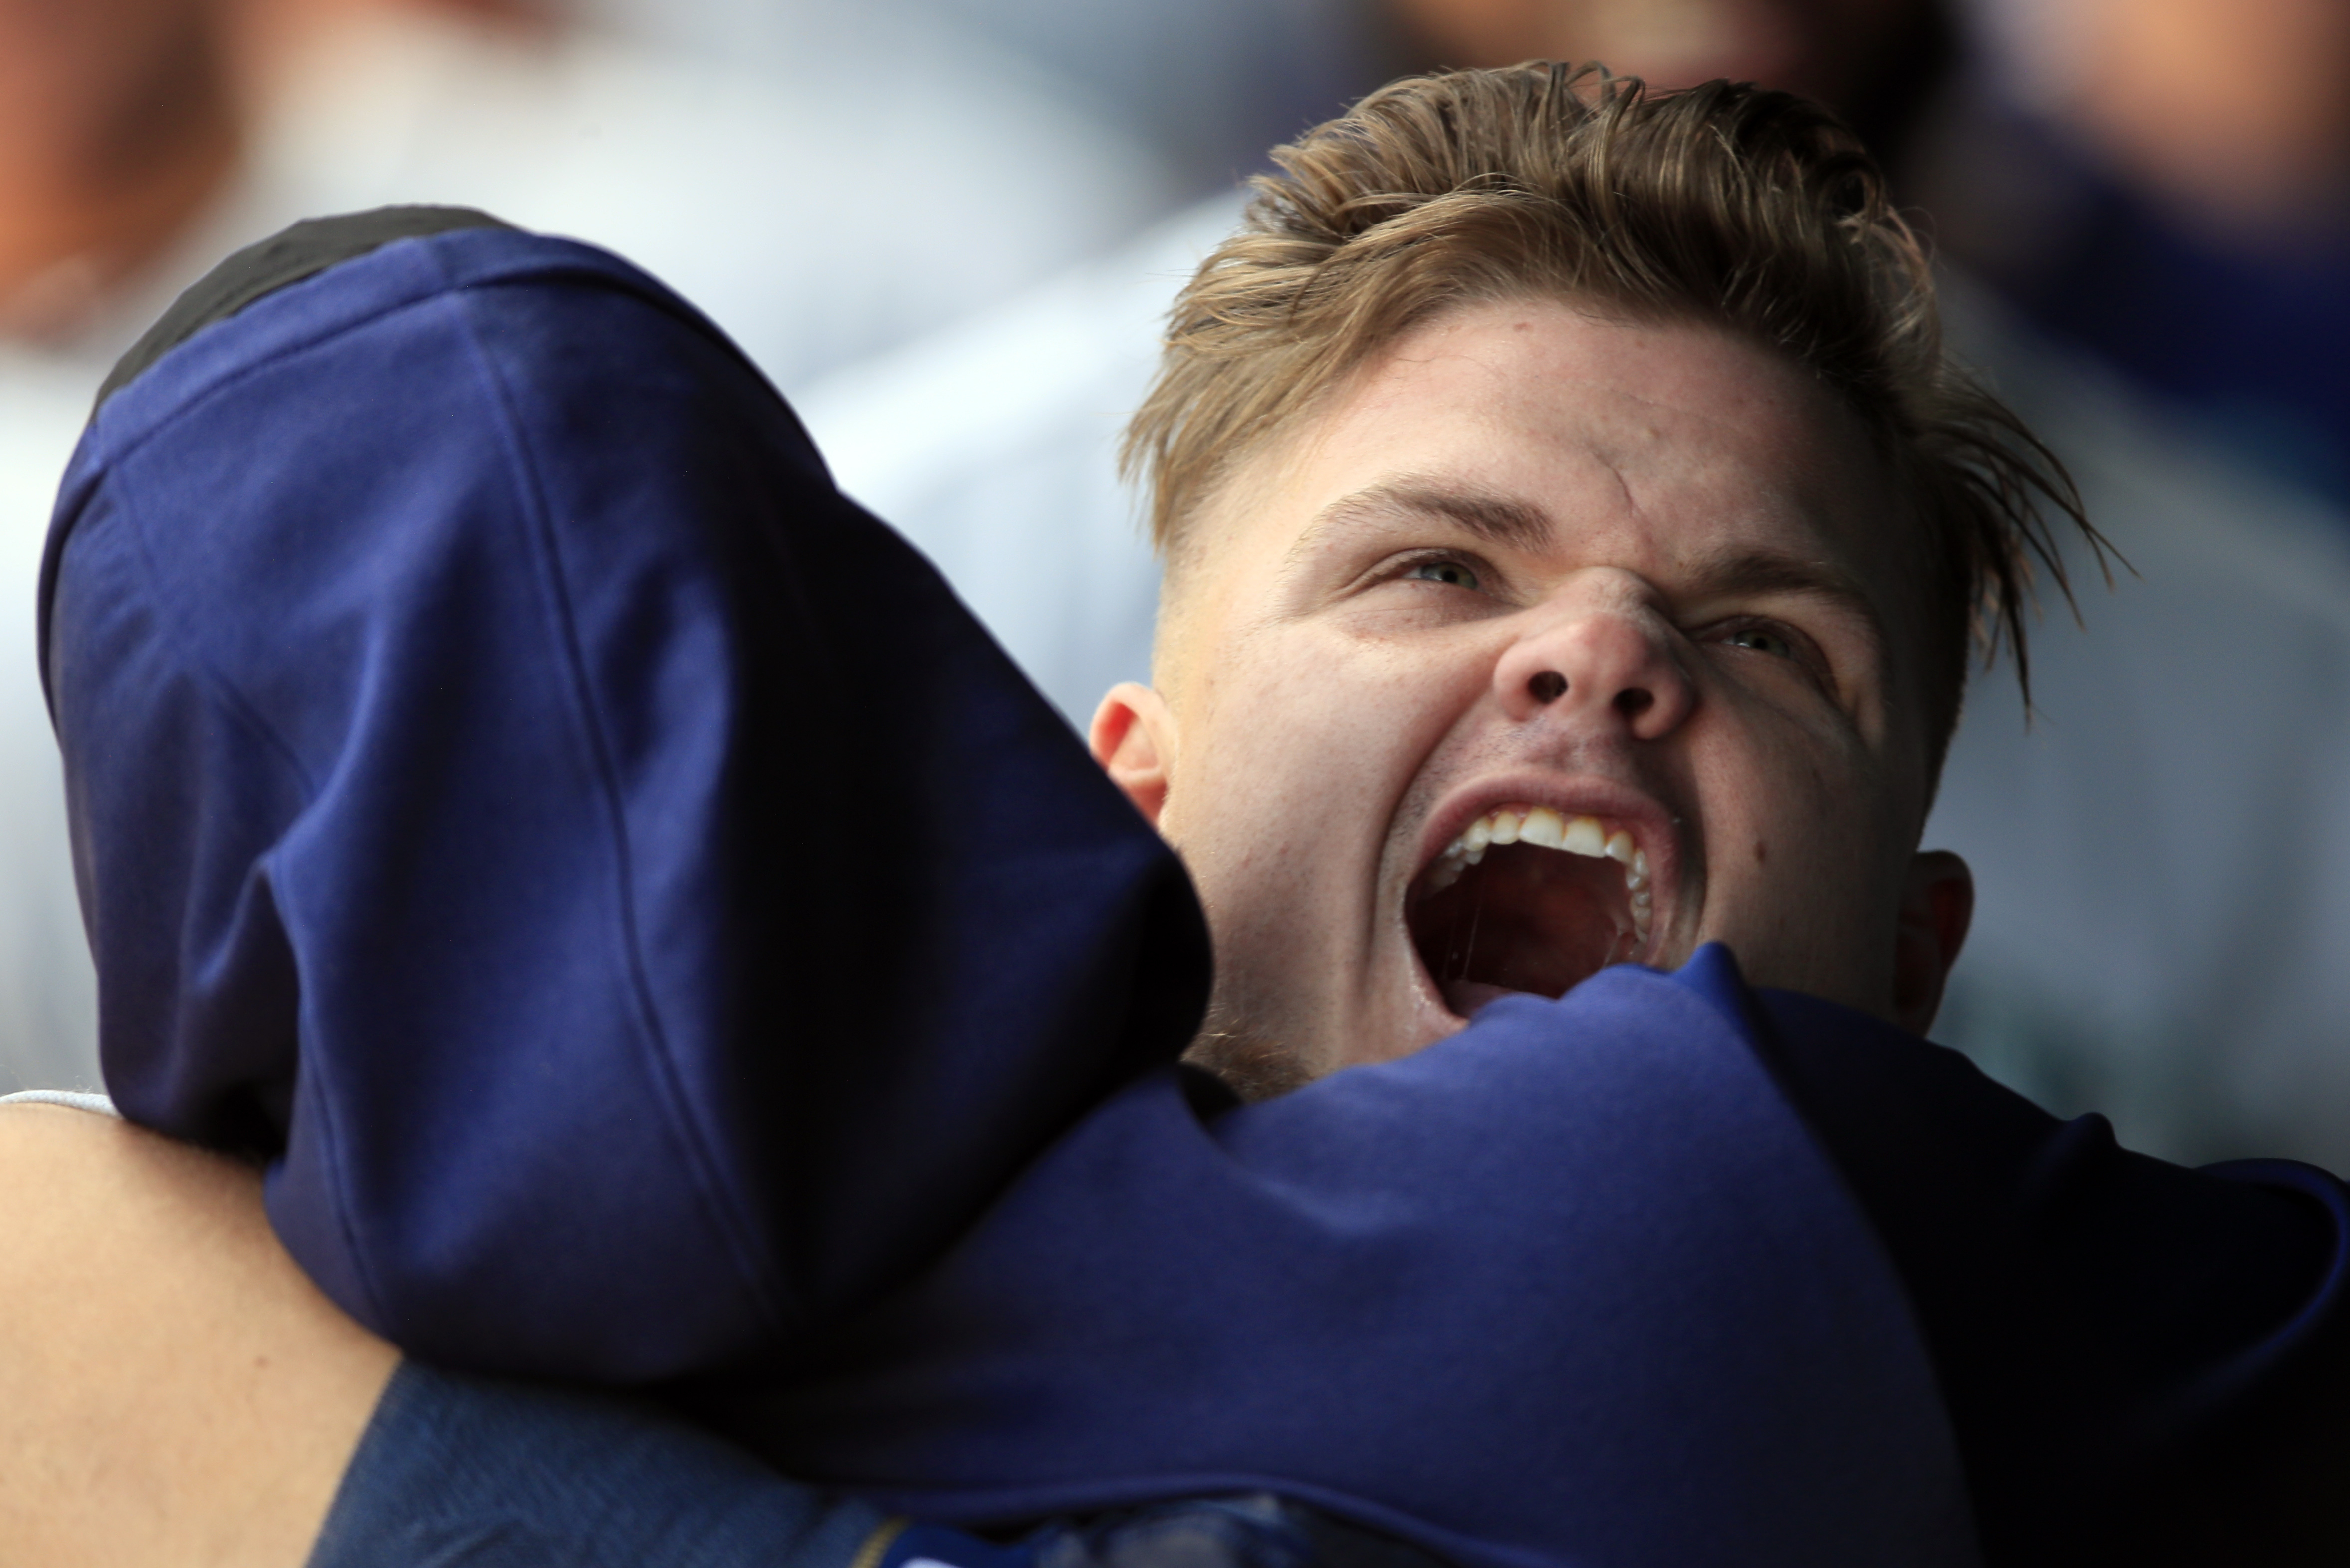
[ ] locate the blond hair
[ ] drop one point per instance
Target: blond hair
(1725, 205)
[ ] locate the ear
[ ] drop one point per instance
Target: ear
(1133, 738)
(1937, 906)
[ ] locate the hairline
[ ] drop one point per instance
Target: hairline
(1180, 553)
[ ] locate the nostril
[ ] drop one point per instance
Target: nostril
(1633, 701)
(1547, 686)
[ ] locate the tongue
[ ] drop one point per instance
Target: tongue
(1466, 996)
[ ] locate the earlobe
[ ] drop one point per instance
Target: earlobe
(1133, 739)
(1937, 906)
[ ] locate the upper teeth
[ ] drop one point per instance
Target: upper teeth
(1542, 826)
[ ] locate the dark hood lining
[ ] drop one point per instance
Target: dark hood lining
(287, 257)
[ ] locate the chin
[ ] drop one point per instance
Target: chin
(1254, 1067)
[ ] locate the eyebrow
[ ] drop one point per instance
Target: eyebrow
(1496, 519)
(1508, 521)
(1739, 573)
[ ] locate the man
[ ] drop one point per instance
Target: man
(1537, 610)
(2141, 846)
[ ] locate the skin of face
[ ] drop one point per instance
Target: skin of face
(1531, 555)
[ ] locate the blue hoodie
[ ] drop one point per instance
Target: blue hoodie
(511, 790)
(653, 938)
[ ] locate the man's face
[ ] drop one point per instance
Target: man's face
(1635, 590)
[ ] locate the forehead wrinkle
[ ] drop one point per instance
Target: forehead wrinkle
(1497, 519)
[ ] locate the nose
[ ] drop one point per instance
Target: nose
(1600, 656)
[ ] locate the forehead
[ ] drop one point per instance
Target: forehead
(1648, 446)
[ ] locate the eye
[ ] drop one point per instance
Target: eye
(1445, 570)
(1763, 639)
(1778, 641)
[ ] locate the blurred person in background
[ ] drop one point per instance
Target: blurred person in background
(2176, 199)
(2161, 856)
(1207, 84)
(867, 178)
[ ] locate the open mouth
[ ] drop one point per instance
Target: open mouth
(1526, 899)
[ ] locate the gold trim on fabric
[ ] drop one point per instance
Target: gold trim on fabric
(877, 1544)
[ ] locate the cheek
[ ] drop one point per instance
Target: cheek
(1308, 721)
(1294, 761)
(1801, 856)
(1232, 778)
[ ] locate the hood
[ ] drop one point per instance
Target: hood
(631, 909)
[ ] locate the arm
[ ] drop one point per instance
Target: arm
(174, 1392)
(2142, 1363)
(1674, 1259)
(173, 1389)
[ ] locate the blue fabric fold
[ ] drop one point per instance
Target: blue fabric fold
(512, 794)
(1577, 1286)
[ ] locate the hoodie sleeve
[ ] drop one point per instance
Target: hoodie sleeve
(2142, 1364)
(1667, 1271)
(634, 912)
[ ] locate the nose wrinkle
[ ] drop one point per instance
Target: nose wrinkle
(1605, 661)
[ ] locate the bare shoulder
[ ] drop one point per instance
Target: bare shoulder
(172, 1388)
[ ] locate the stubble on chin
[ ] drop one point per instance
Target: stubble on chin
(1251, 1062)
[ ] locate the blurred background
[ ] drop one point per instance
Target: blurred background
(947, 228)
